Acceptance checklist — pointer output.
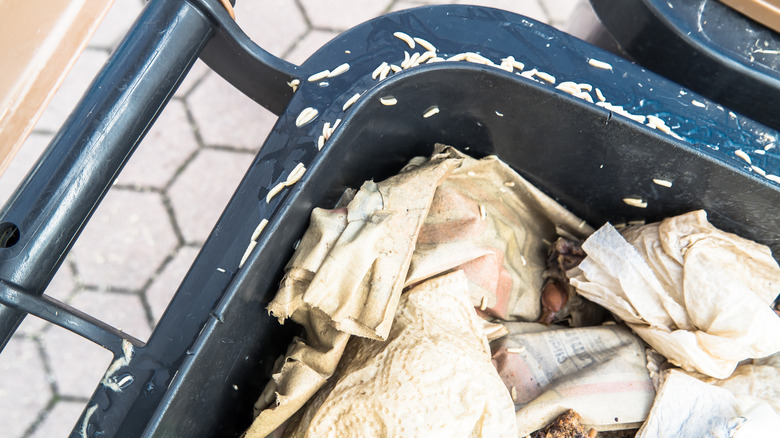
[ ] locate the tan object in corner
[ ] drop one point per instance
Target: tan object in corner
(431, 377)
(766, 12)
(39, 43)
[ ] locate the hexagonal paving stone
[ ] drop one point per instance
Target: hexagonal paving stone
(116, 23)
(24, 390)
(342, 14)
(274, 25)
(121, 310)
(227, 117)
(309, 44)
(194, 76)
(164, 149)
(77, 365)
(202, 191)
(529, 8)
(60, 287)
(125, 242)
(159, 294)
(73, 87)
(25, 159)
(60, 419)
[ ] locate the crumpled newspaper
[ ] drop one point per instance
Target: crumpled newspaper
(599, 372)
(449, 212)
(431, 377)
(698, 295)
(747, 404)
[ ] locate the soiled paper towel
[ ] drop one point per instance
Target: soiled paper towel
(599, 372)
(691, 404)
(698, 295)
(450, 212)
(431, 377)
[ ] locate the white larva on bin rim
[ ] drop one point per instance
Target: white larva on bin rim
(294, 84)
(568, 87)
(478, 59)
(405, 38)
(774, 178)
(388, 100)
(529, 74)
(320, 142)
(585, 86)
(741, 154)
(413, 60)
(349, 102)
(515, 350)
(339, 70)
(699, 104)
(635, 202)
(248, 251)
(326, 130)
(306, 116)
(424, 57)
(318, 76)
(428, 46)
(378, 70)
(758, 170)
(506, 66)
(222, 270)
(600, 95)
(259, 229)
(599, 64)
(273, 192)
(483, 304)
(295, 174)
(499, 114)
(431, 112)
(584, 96)
(385, 71)
(395, 68)
(662, 182)
(510, 60)
(546, 76)
(759, 151)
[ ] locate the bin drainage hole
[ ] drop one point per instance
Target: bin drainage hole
(9, 235)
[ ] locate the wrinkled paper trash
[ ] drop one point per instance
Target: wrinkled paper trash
(431, 377)
(698, 295)
(747, 404)
(449, 212)
(599, 372)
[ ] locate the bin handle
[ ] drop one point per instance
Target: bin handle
(240, 61)
(50, 208)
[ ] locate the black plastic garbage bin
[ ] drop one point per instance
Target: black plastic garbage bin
(212, 351)
(703, 45)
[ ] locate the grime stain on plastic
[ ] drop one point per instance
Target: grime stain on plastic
(109, 379)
